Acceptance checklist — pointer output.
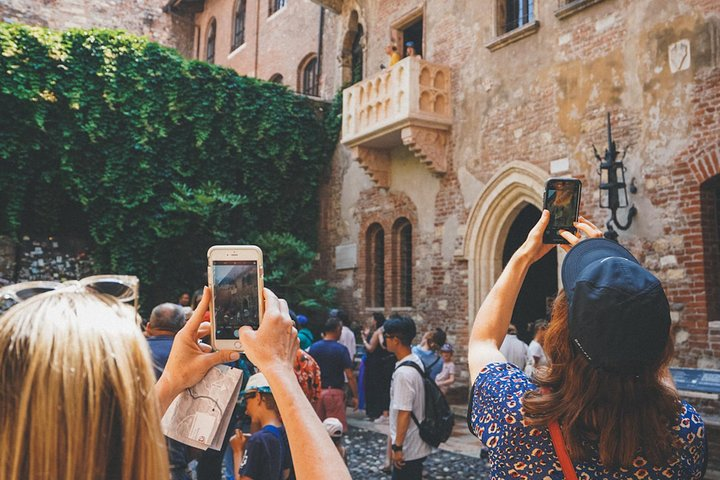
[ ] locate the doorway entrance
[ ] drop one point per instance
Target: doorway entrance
(540, 286)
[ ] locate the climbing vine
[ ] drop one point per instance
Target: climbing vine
(151, 157)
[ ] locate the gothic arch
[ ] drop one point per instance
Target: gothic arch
(515, 186)
(352, 25)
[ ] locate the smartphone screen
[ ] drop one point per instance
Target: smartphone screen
(235, 301)
(562, 199)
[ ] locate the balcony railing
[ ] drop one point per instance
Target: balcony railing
(407, 104)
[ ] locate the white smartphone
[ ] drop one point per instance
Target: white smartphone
(235, 276)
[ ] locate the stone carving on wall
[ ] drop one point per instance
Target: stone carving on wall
(376, 162)
(429, 145)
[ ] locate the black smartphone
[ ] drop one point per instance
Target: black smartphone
(562, 199)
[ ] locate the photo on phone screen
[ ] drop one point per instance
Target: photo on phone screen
(562, 199)
(235, 301)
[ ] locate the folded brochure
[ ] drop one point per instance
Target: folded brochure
(200, 415)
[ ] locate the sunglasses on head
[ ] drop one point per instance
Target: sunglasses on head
(125, 288)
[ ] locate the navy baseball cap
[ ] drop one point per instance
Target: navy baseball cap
(619, 316)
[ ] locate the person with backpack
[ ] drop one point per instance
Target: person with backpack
(605, 407)
(407, 399)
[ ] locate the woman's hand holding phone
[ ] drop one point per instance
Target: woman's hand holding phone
(189, 359)
(583, 225)
(275, 344)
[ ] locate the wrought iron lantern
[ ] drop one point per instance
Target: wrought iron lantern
(613, 188)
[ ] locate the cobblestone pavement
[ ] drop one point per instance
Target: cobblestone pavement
(366, 454)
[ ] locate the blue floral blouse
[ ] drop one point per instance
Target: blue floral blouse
(518, 451)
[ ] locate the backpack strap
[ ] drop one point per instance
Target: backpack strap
(559, 445)
(433, 364)
(410, 363)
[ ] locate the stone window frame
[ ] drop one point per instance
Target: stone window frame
(277, 78)
(398, 26)
(239, 12)
(710, 223)
(389, 224)
(503, 38)
(375, 266)
(571, 7)
(402, 263)
(210, 40)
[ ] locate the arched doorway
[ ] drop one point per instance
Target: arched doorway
(506, 194)
(540, 286)
(357, 55)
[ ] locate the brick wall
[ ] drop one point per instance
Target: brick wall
(545, 98)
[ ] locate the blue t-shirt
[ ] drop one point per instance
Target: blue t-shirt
(266, 454)
(160, 351)
(432, 361)
(332, 358)
(520, 451)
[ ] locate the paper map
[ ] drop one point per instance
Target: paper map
(200, 415)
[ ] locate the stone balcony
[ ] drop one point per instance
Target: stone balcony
(408, 104)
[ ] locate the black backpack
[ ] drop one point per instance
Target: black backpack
(437, 425)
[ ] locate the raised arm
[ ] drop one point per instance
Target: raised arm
(492, 320)
(272, 349)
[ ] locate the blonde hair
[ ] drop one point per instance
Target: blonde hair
(76, 392)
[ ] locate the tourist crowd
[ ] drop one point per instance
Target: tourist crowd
(82, 394)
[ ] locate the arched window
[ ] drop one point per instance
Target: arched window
(210, 47)
(357, 55)
(402, 263)
(375, 266)
(277, 78)
(710, 211)
(239, 24)
(309, 85)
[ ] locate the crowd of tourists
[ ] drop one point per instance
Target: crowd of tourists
(81, 394)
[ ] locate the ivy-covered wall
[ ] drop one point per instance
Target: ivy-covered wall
(151, 157)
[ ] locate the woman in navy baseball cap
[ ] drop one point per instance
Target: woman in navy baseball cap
(605, 407)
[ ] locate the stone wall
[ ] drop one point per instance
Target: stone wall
(541, 102)
(140, 17)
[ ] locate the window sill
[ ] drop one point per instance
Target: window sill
(237, 50)
(574, 7)
(401, 309)
(375, 309)
(513, 36)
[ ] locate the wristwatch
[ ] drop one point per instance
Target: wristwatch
(396, 448)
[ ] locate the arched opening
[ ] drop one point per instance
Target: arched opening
(375, 266)
(277, 78)
(352, 53)
(514, 187)
(402, 263)
(710, 212)
(357, 55)
(239, 24)
(309, 84)
(210, 44)
(541, 285)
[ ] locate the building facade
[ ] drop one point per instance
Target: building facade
(443, 159)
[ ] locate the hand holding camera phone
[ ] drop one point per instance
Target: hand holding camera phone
(562, 199)
(235, 276)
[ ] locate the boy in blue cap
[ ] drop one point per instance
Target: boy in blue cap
(266, 454)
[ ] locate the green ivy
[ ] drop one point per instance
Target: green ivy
(151, 157)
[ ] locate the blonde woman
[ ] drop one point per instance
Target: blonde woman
(78, 398)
